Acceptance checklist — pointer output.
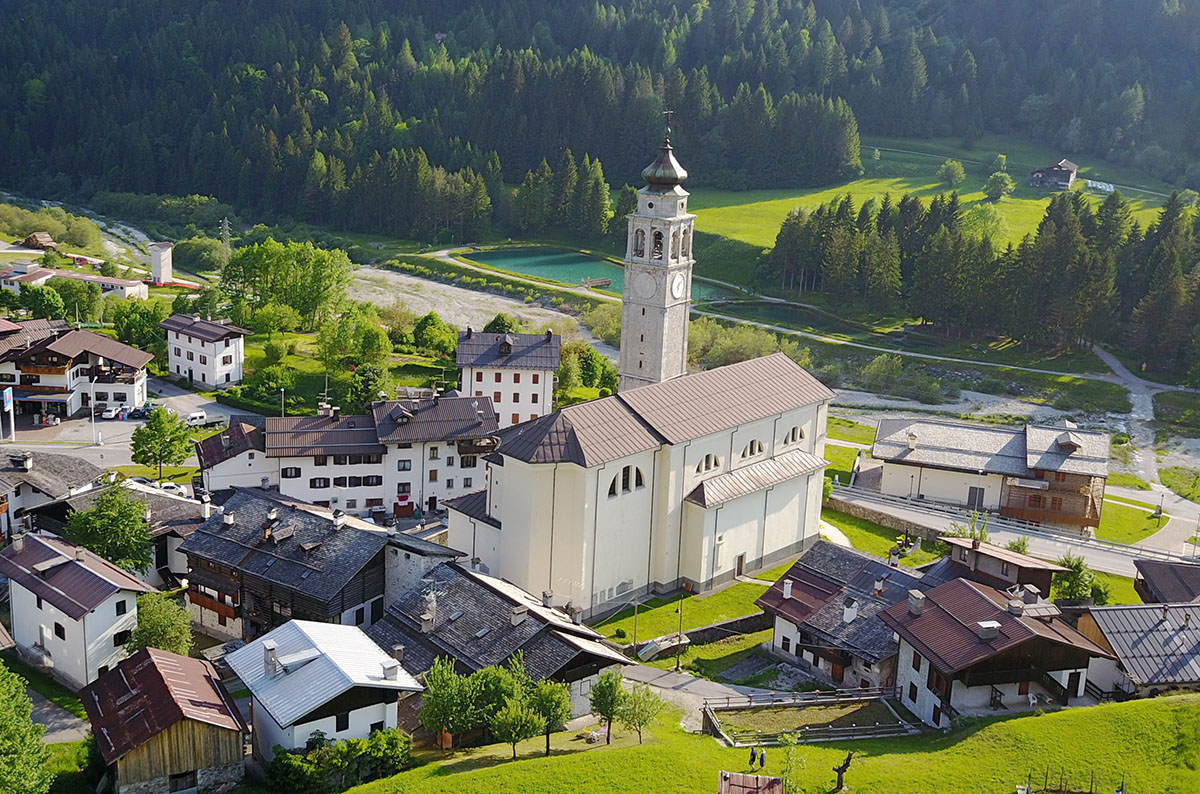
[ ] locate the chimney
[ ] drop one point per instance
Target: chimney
(878, 588)
(205, 507)
(1187, 619)
(894, 557)
(18, 542)
(849, 610)
(273, 514)
(549, 334)
(470, 332)
(1016, 608)
(912, 441)
(1030, 594)
(79, 553)
(264, 483)
(547, 598)
(974, 543)
(27, 462)
(988, 629)
(426, 622)
(227, 519)
(322, 409)
(1166, 610)
(339, 519)
(270, 657)
(149, 514)
(266, 532)
(787, 588)
(916, 603)
(576, 614)
(518, 614)
(391, 669)
(398, 652)
(335, 412)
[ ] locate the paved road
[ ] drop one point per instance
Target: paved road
(684, 690)
(61, 725)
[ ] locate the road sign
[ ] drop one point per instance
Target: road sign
(8, 398)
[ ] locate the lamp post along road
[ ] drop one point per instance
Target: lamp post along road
(679, 636)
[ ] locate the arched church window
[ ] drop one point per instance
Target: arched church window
(656, 251)
(755, 447)
(709, 463)
(794, 435)
(639, 242)
(629, 478)
(687, 242)
(675, 244)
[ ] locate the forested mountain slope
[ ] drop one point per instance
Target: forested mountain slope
(324, 109)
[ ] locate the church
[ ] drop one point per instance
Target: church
(678, 480)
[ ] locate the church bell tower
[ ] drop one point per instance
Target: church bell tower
(658, 276)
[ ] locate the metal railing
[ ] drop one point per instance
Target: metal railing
(818, 733)
(817, 698)
(998, 522)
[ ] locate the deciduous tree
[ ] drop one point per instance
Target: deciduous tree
(162, 441)
(552, 701)
(951, 172)
(24, 758)
(639, 708)
(515, 722)
(163, 623)
(998, 185)
(607, 697)
(115, 528)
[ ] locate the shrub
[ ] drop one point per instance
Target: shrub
(605, 392)
(990, 386)
(274, 352)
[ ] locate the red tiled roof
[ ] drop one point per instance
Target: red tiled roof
(148, 693)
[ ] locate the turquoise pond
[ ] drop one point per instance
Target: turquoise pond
(571, 267)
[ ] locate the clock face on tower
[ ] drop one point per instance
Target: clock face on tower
(645, 285)
(677, 286)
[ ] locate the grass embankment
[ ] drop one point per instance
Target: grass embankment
(68, 760)
(1153, 745)
(712, 659)
(1120, 588)
(790, 718)
(180, 474)
(1125, 523)
(841, 462)
(658, 617)
(842, 429)
(44, 685)
(1179, 410)
(1182, 480)
(876, 539)
(1125, 480)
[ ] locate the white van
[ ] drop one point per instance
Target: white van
(197, 419)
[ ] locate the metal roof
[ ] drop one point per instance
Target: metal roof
(434, 419)
(76, 343)
(1174, 582)
(473, 505)
(708, 402)
(13, 341)
(990, 449)
(324, 660)
(1000, 553)
(525, 351)
(1156, 644)
(665, 171)
(53, 474)
(151, 691)
(241, 436)
(586, 434)
(308, 436)
(754, 478)
(946, 633)
(208, 330)
(301, 549)
(71, 578)
(168, 512)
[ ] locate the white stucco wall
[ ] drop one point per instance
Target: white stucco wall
(515, 392)
(268, 733)
(207, 365)
(245, 470)
(937, 485)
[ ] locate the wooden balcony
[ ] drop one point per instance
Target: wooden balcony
(212, 605)
(45, 369)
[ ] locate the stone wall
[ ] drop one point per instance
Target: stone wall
(879, 517)
(214, 780)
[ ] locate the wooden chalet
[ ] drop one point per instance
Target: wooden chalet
(266, 559)
(1058, 176)
(164, 722)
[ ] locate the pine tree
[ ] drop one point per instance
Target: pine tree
(562, 190)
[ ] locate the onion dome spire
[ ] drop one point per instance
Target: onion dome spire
(665, 172)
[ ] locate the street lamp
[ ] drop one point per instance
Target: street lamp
(679, 637)
(282, 410)
(92, 406)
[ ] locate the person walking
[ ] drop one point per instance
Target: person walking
(753, 756)
(762, 759)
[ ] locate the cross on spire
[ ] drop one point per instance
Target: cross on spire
(668, 114)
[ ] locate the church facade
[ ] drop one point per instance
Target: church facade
(678, 480)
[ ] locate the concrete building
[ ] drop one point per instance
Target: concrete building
(29, 274)
(161, 271)
(306, 677)
(969, 648)
(205, 351)
(164, 723)
(1053, 475)
(57, 371)
(516, 371)
(72, 611)
(689, 482)
(658, 277)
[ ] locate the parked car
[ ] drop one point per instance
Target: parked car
(139, 413)
(171, 487)
(202, 419)
(142, 480)
(111, 412)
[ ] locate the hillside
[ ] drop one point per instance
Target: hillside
(1154, 745)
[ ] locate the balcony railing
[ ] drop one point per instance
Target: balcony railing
(117, 376)
(1027, 674)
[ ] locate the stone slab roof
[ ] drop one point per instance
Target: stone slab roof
(509, 351)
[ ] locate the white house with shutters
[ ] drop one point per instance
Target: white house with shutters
(205, 351)
(516, 371)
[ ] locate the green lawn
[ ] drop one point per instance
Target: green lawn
(1122, 523)
(876, 539)
(179, 474)
(44, 685)
(790, 718)
(712, 659)
(841, 461)
(849, 430)
(1154, 745)
(1179, 409)
(657, 617)
(1121, 588)
(1123, 480)
(68, 761)
(1182, 480)
(1134, 502)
